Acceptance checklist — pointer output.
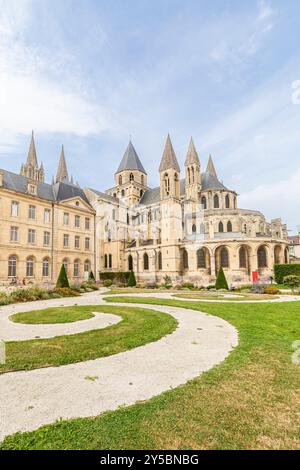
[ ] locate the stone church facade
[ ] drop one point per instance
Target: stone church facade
(186, 228)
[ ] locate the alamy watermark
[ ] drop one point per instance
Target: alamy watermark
(296, 92)
(296, 353)
(2, 352)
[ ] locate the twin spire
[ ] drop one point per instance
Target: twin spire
(169, 159)
(31, 170)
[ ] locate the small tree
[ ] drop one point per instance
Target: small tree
(131, 280)
(91, 276)
(62, 280)
(221, 282)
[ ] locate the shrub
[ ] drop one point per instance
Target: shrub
(65, 292)
(115, 277)
(4, 299)
(283, 270)
(107, 282)
(271, 290)
(188, 285)
(221, 282)
(292, 281)
(62, 280)
(211, 287)
(131, 280)
(91, 276)
(167, 282)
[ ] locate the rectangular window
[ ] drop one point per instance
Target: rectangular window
(66, 240)
(14, 234)
(47, 216)
(46, 238)
(46, 267)
(87, 244)
(66, 218)
(77, 241)
(77, 221)
(87, 223)
(31, 212)
(31, 236)
(14, 209)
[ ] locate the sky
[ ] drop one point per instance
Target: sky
(90, 74)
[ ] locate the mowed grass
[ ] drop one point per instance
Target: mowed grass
(250, 401)
(52, 315)
(138, 326)
(214, 296)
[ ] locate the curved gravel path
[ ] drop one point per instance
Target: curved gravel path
(31, 399)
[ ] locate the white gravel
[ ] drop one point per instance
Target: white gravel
(34, 398)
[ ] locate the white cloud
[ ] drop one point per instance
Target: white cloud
(28, 97)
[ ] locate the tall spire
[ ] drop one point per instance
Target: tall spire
(62, 172)
(211, 167)
(192, 155)
(32, 159)
(169, 159)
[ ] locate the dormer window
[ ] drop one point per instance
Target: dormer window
(32, 188)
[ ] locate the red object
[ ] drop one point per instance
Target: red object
(254, 276)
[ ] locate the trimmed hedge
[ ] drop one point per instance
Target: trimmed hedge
(221, 282)
(115, 277)
(283, 270)
(62, 281)
(131, 280)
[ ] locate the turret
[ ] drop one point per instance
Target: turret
(192, 173)
(169, 173)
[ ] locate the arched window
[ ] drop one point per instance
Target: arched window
(159, 261)
(146, 262)
(262, 257)
(142, 180)
(87, 266)
(194, 228)
(201, 262)
(224, 257)
(110, 261)
(123, 192)
(229, 226)
(243, 257)
(66, 263)
(30, 267)
(12, 266)
(189, 175)
(105, 261)
(227, 201)
(141, 193)
(221, 227)
(130, 263)
(120, 180)
(203, 202)
(76, 268)
(185, 259)
(202, 228)
(193, 175)
(131, 177)
(216, 202)
(277, 254)
(286, 255)
(115, 194)
(46, 267)
(167, 184)
(128, 220)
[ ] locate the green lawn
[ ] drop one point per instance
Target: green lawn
(250, 401)
(139, 326)
(216, 296)
(52, 315)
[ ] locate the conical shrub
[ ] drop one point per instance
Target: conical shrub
(221, 282)
(62, 280)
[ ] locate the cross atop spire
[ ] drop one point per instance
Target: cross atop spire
(192, 155)
(169, 159)
(62, 172)
(32, 159)
(211, 167)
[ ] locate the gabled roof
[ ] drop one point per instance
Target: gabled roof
(130, 160)
(106, 197)
(57, 192)
(169, 159)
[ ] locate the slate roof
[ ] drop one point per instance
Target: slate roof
(169, 159)
(130, 160)
(209, 181)
(104, 196)
(57, 192)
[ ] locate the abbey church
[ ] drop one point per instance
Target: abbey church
(186, 228)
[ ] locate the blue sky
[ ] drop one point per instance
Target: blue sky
(89, 73)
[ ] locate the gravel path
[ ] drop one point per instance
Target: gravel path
(30, 399)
